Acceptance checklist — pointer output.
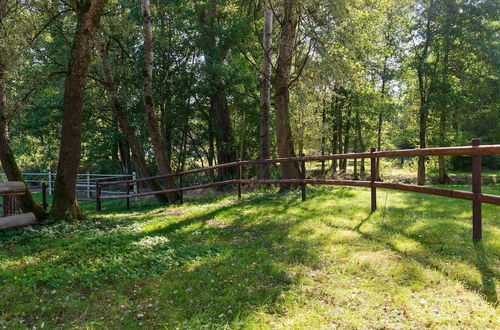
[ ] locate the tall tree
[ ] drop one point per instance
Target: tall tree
(284, 139)
(126, 127)
(151, 117)
(9, 164)
(215, 48)
(422, 74)
(265, 90)
(88, 14)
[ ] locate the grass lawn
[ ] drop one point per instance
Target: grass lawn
(267, 261)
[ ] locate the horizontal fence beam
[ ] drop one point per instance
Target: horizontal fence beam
(486, 150)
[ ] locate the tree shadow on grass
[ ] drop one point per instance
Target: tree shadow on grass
(446, 239)
(220, 271)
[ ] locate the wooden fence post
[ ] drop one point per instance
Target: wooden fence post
(128, 198)
(373, 175)
(476, 189)
(181, 195)
(239, 176)
(44, 196)
(97, 197)
(304, 176)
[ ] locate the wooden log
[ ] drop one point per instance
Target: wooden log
(17, 220)
(11, 205)
(12, 188)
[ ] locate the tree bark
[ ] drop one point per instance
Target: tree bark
(347, 137)
(284, 139)
(152, 121)
(9, 164)
(265, 91)
(361, 143)
(138, 155)
(64, 204)
(423, 110)
(323, 137)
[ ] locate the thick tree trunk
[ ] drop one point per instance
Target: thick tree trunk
(152, 121)
(265, 91)
(9, 164)
(284, 138)
(64, 204)
(224, 139)
(138, 155)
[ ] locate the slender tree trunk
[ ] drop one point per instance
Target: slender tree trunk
(284, 139)
(152, 121)
(356, 175)
(9, 164)
(64, 204)
(443, 177)
(265, 91)
(243, 134)
(126, 127)
(124, 155)
(423, 111)
(347, 137)
(323, 137)
(340, 129)
(361, 143)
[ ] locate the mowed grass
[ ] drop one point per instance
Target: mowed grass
(267, 261)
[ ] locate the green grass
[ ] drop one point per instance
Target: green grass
(267, 261)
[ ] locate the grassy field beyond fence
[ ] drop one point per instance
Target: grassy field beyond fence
(266, 261)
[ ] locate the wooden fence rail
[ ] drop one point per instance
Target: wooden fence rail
(11, 192)
(476, 196)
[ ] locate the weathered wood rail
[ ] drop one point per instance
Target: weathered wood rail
(11, 192)
(476, 196)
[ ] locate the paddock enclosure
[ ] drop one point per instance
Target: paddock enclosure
(475, 151)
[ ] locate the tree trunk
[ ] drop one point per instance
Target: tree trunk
(323, 137)
(361, 144)
(347, 138)
(152, 121)
(423, 110)
(284, 139)
(138, 155)
(445, 89)
(9, 164)
(64, 204)
(340, 129)
(265, 91)
(123, 155)
(215, 50)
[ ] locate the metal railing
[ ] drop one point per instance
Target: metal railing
(85, 182)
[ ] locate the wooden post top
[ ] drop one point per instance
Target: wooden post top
(12, 188)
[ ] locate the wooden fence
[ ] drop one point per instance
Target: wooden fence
(11, 192)
(476, 196)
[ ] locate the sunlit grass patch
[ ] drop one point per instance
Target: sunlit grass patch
(266, 261)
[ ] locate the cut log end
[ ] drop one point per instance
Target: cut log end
(17, 220)
(12, 188)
